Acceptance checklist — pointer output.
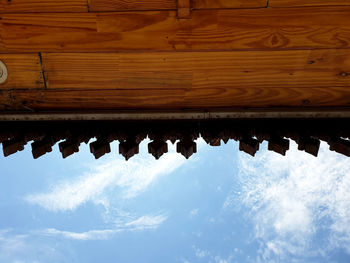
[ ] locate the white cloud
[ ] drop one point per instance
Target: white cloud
(32, 248)
(219, 259)
(18, 247)
(292, 198)
(108, 184)
(140, 224)
(146, 222)
(208, 256)
(130, 178)
(10, 243)
(201, 253)
(89, 235)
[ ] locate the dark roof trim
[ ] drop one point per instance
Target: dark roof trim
(307, 133)
(178, 115)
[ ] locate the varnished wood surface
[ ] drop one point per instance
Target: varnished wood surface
(119, 5)
(187, 80)
(218, 97)
(198, 70)
(224, 54)
(204, 4)
(246, 29)
(291, 3)
(24, 71)
(39, 6)
(36, 6)
(119, 71)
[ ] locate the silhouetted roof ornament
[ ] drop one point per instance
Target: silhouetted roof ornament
(307, 133)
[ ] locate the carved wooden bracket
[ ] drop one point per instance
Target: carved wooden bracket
(183, 9)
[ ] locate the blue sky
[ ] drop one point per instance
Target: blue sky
(219, 206)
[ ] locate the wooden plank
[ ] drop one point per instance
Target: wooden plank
(95, 99)
(213, 98)
(123, 5)
(247, 29)
(206, 4)
(198, 70)
(189, 80)
(24, 71)
(35, 6)
(117, 71)
(290, 3)
(267, 97)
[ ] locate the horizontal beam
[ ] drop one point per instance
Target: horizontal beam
(291, 3)
(300, 69)
(177, 80)
(235, 29)
(124, 5)
(254, 97)
(206, 4)
(37, 6)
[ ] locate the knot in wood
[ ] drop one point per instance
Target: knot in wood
(344, 74)
(3, 72)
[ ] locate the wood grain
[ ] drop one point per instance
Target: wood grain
(117, 71)
(213, 98)
(24, 71)
(97, 99)
(205, 4)
(245, 29)
(198, 70)
(188, 80)
(36, 6)
(123, 5)
(290, 3)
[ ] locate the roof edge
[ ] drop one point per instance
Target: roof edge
(175, 115)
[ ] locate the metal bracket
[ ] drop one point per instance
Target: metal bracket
(183, 9)
(3, 72)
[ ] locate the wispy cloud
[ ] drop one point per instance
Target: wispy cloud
(10, 243)
(292, 199)
(208, 256)
(201, 253)
(89, 235)
(219, 259)
(32, 247)
(111, 180)
(18, 247)
(129, 178)
(140, 224)
(146, 222)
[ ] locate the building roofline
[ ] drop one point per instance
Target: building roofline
(176, 115)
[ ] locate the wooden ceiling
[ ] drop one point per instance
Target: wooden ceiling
(81, 55)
